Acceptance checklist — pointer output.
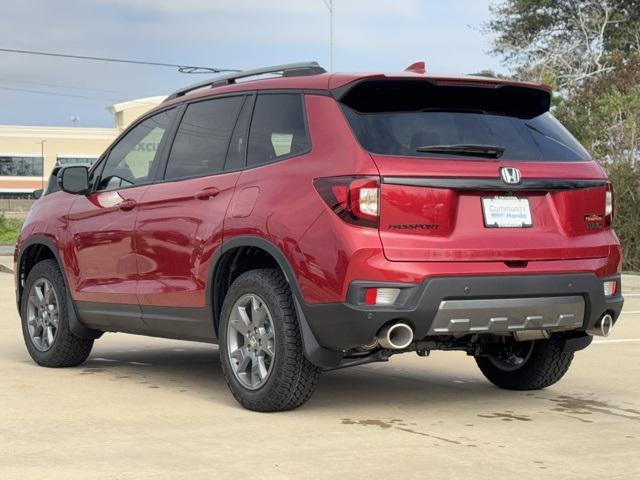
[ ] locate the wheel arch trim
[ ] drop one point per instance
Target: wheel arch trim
(315, 353)
(76, 326)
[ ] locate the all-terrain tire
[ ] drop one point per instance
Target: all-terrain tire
(546, 364)
(66, 350)
(293, 378)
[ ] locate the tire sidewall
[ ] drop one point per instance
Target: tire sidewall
(250, 283)
(48, 270)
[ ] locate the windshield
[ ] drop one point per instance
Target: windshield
(412, 133)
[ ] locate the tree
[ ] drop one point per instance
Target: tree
(605, 116)
(605, 113)
(564, 42)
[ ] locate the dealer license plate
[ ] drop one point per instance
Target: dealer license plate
(506, 212)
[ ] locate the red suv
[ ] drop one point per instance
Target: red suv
(309, 221)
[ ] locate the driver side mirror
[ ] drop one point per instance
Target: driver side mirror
(74, 179)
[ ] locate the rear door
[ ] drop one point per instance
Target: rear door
(180, 219)
(473, 173)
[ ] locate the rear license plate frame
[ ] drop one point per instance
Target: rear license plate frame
(489, 217)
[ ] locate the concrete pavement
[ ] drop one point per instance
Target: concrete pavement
(151, 408)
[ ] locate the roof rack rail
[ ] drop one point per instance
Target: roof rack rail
(288, 70)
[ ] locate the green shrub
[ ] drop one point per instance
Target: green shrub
(9, 230)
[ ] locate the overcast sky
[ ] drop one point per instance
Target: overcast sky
(370, 35)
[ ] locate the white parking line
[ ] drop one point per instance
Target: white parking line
(631, 294)
(631, 312)
(621, 340)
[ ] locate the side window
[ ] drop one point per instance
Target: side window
(202, 139)
(277, 129)
(132, 159)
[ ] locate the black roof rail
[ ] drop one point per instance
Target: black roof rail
(288, 70)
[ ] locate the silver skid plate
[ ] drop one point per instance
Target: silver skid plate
(505, 315)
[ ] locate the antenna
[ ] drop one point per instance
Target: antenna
(418, 67)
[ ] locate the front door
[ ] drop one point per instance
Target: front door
(101, 224)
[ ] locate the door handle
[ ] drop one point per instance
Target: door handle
(206, 193)
(126, 205)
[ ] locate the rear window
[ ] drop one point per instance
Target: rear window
(388, 121)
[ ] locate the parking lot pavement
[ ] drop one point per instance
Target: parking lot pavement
(150, 408)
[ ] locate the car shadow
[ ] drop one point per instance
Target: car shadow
(196, 370)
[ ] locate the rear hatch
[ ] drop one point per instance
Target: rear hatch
(477, 172)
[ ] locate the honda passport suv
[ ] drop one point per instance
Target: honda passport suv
(309, 221)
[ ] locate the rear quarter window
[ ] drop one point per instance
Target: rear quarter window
(278, 129)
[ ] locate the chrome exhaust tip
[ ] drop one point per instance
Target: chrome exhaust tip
(396, 336)
(603, 327)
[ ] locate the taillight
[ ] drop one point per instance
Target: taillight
(608, 205)
(354, 199)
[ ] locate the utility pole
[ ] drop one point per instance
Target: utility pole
(329, 5)
(42, 172)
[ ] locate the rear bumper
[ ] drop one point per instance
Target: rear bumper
(469, 305)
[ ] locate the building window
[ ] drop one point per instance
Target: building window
(17, 166)
(16, 195)
(64, 161)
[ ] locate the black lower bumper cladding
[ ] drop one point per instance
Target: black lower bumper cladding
(567, 302)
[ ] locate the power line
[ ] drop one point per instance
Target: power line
(181, 68)
(69, 87)
(58, 94)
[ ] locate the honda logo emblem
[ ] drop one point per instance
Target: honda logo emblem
(510, 175)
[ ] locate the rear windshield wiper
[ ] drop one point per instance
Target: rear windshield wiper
(488, 151)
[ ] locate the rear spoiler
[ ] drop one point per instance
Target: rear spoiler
(386, 94)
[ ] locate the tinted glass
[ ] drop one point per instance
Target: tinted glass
(402, 133)
(132, 159)
(277, 129)
(202, 139)
(52, 184)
